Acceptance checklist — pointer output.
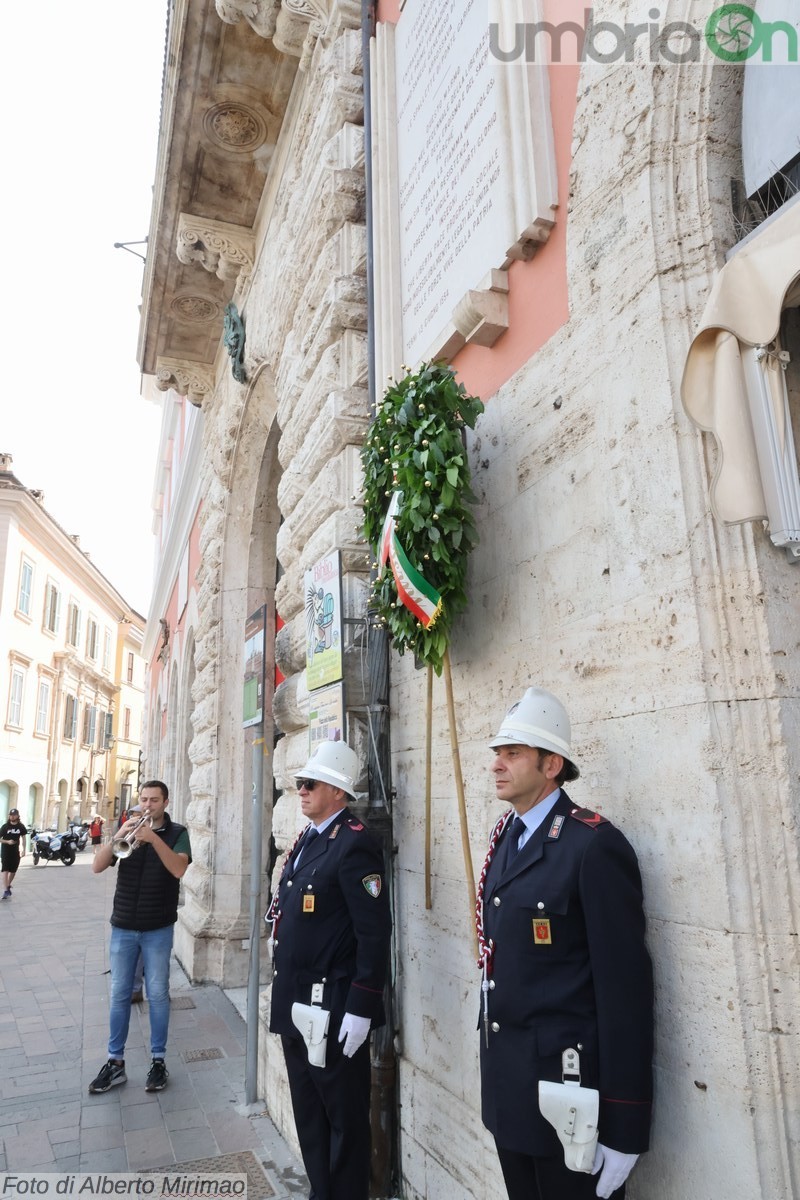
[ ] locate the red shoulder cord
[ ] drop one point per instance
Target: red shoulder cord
(273, 913)
(487, 948)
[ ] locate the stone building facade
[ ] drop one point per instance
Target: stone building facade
(601, 574)
(259, 203)
(66, 633)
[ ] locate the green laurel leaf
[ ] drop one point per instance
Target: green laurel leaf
(418, 428)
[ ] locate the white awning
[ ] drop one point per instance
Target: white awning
(761, 278)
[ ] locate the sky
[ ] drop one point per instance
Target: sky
(81, 89)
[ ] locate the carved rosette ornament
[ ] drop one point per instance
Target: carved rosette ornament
(226, 251)
(235, 127)
(193, 380)
(195, 310)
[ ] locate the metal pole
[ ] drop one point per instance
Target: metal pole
(367, 33)
(254, 968)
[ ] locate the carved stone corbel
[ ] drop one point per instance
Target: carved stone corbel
(261, 15)
(293, 25)
(479, 318)
(299, 24)
(482, 314)
(227, 251)
(191, 379)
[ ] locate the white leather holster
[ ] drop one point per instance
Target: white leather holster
(572, 1110)
(312, 1022)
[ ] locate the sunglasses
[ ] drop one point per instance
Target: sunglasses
(308, 784)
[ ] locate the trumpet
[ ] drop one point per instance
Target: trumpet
(123, 847)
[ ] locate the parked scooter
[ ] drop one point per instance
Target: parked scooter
(51, 846)
(80, 832)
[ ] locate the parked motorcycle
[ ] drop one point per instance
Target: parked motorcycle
(51, 846)
(81, 834)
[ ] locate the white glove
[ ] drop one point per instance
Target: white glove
(616, 1169)
(353, 1032)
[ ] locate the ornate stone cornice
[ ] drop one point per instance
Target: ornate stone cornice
(191, 379)
(293, 25)
(260, 15)
(299, 24)
(226, 251)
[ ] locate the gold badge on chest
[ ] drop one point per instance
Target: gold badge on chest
(308, 904)
(541, 931)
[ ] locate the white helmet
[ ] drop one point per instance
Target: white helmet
(334, 763)
(538, 720)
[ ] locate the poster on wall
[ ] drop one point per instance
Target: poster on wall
(255, 640)
(323, 605)
(326, 716)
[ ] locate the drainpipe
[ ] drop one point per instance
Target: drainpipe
(53, 744)
(383, 1106)
(254, 967)
(367, 33)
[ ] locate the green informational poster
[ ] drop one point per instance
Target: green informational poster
(326, 716)
(253, 684)
(323, 604)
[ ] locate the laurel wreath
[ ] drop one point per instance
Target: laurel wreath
(415, 446)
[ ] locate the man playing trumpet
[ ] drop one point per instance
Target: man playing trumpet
(153, 853)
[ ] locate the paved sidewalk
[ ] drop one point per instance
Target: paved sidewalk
(54, 986)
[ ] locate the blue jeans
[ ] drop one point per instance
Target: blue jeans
(138, 976)
(155, 946)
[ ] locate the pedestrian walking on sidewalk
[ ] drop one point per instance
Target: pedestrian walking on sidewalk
(331, 925)
(96, 831)
(143, 921)
(12, 848)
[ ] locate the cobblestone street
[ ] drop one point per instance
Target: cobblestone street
(53, 1038)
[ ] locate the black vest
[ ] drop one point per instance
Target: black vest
(147, 894)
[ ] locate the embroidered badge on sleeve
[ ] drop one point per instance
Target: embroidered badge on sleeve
(373, 884)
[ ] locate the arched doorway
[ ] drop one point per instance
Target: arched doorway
(61, 803)
(169, 774)
(183, 765)
(238, 574)
(8, 797)
(35, 809)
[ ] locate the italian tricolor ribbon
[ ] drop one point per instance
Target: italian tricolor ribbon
(420, 597)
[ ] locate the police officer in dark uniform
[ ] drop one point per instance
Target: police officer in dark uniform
(561, 931)
(331, 925)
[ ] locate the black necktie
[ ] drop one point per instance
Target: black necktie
(512, 840)
(308, 840)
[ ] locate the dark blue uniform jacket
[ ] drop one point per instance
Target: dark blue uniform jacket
(334, 927)
(589, 987)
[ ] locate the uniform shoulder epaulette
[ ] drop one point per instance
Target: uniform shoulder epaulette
(587, 817)
(355, 825)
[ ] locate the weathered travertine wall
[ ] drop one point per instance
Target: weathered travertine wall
(673, 641)
(600, 574)
(280, 475)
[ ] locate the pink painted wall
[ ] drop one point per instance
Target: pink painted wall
(175, 619)
(538, 299)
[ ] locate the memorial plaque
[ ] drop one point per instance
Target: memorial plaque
(456, 210)
(476, 184)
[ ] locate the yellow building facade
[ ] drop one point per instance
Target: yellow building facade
(66, 635)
